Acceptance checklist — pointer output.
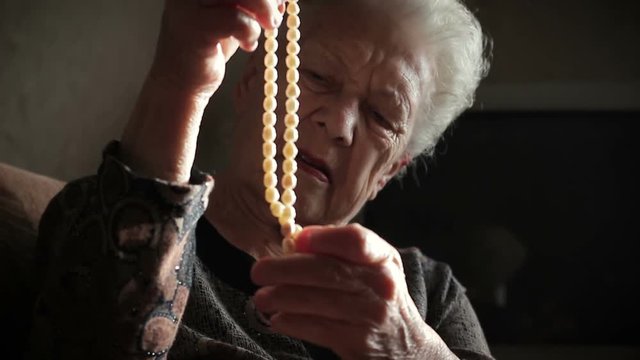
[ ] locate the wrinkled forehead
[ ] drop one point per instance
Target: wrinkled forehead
(380, 17)
(394, 26)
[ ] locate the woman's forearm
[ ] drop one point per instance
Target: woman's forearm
(116, 254)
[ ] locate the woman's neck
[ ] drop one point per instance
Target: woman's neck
(242, 220)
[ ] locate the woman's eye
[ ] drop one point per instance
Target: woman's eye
(315, 80)
(381, 119)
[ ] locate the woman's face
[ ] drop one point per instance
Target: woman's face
(363, 80)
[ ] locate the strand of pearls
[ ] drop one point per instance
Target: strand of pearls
(282, 207)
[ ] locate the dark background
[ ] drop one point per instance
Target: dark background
(532, 196)
(537, 215)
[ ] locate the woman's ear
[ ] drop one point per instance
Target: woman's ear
(391, 172)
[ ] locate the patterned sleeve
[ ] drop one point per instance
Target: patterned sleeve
(115, 258)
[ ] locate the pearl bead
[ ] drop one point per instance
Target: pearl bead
(268, 134)
(288, 213)
(293, 8)
(269, 119)
(270, 89)
(292, 105)
(293, 90)
(293, 75)
(291, 120)
(271, 33)
(293, 34)
(290, 166)
(289, 181)
(270, 180)
(269, 104)
(287, 228)
(271, 194)
(288, 197)
(270, 74)
(288, 221)
(293, 21)
(270, 60)
(292, 61)
(270, 44)
(290, 151)
(293, 48)
(269, 165)
(291, 135)
(269, 150)
(276, 208)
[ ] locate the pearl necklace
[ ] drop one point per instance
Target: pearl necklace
(281, 207)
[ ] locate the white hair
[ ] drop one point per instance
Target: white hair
(457, 55)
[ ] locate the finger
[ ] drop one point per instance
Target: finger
(226, 22)
(332, 304)
(325, 272)
(329, 333)
(266, 12)
(310, 270)
(353, 243)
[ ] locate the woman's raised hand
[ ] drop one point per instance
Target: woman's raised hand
(196, 39)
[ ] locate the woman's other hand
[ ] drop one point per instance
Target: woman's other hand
(345, 289)
(197, 38)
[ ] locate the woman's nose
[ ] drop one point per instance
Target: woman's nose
(339, 121)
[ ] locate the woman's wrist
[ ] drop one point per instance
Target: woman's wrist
(160, 139)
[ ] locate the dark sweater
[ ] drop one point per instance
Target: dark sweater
(123, 278)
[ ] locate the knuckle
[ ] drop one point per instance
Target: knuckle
(385, 283)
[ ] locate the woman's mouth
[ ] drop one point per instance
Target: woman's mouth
(313, 166)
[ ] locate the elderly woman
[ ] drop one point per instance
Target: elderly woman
(149, 259)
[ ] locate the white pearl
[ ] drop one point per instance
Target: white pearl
(288, 213)
(288, 197)
(293, 90)
(287, 221)
(269, 134)
(271, 45)
(270, 180)
(270, 60)
(291, 134)
(292, 105)
(293, 48)
(292, 61)
(269, 165)
(293, 75)
(269, 104)
(270, 74)
(290, 151)
(287, 228)
(290, 166)
(271, 194)
(269, 119)
(269, 150)
(293, 8)
(291, 120)
(289, 181)
(271, 33)
(293, 21)
(293, 34)
(276, 208)
(270, 89)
